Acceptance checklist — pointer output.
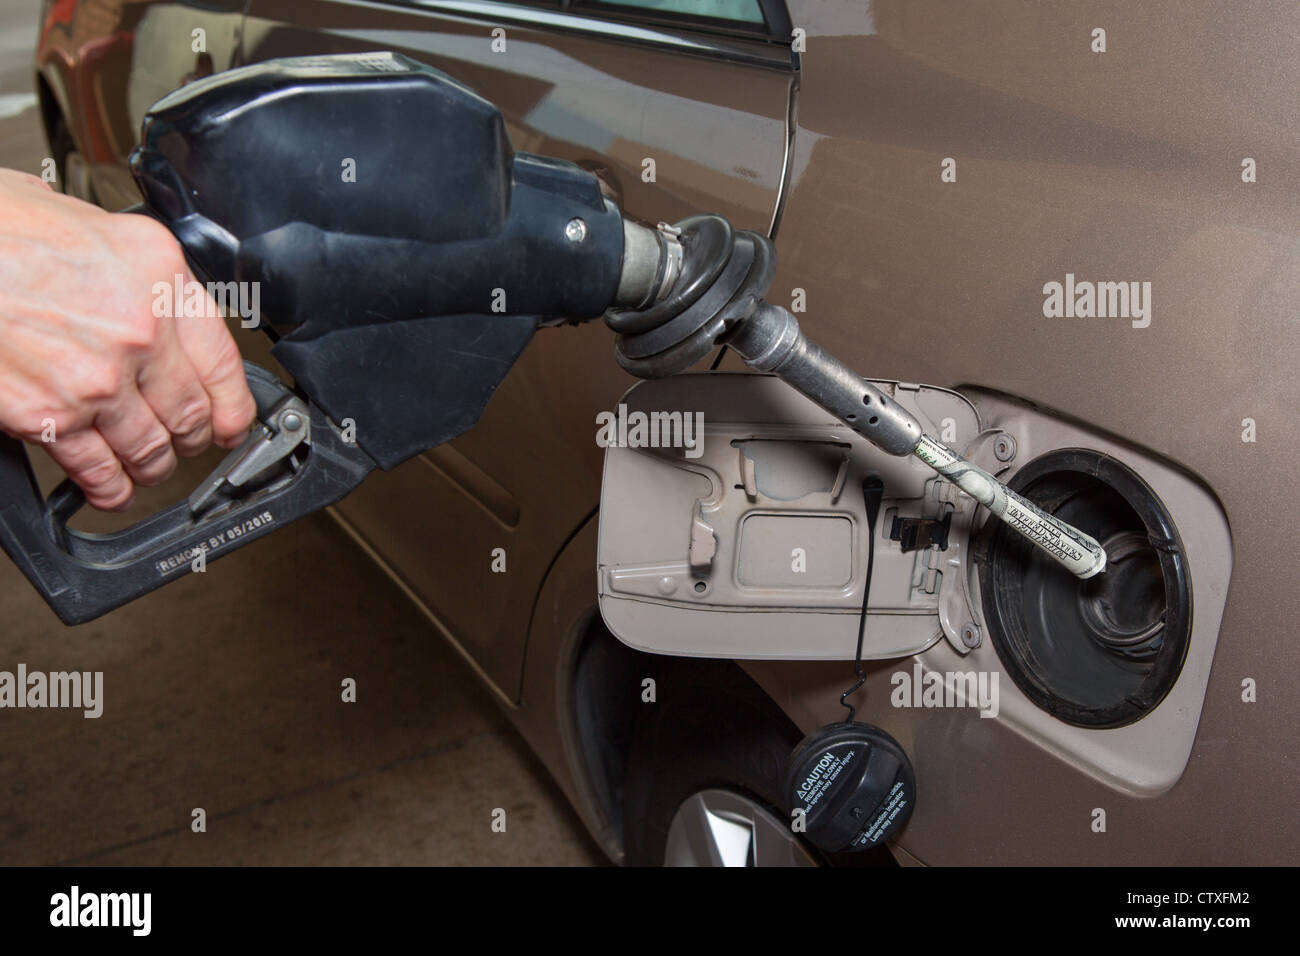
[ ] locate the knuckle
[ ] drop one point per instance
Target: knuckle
(140, 332)
(226, 363)
(38, 425)
(99, 386)
(234, 419)
(149, 236)
(156, 472)
(117, 500)
(149, 450)
(99, 474)
(191, 418)
(99, 383)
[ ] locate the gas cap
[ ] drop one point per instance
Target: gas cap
(852, 785)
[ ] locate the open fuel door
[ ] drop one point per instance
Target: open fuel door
(732, 524)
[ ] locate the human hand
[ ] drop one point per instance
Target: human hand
(113, 392)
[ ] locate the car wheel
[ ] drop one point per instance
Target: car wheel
(705, 766)
(710, 751)
(724, 828)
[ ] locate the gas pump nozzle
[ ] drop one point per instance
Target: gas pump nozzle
(658, 341)
(405, 255)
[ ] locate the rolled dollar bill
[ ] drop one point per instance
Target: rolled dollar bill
(1069, 546)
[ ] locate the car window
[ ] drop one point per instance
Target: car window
(735, 11)
(733, 14)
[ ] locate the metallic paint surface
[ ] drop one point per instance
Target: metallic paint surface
(1122, 165)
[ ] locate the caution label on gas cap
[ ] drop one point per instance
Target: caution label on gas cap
(829, 766)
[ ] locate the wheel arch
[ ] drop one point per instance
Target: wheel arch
(583, 691)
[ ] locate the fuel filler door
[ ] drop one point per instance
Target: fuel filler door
(732, 524)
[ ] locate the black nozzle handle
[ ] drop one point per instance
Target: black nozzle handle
(82, 575)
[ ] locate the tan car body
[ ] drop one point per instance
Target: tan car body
(1119, 165)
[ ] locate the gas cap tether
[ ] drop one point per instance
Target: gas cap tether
(850, 785)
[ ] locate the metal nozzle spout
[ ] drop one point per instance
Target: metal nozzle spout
(651, 262)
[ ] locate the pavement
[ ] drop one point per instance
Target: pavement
(223, 693)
